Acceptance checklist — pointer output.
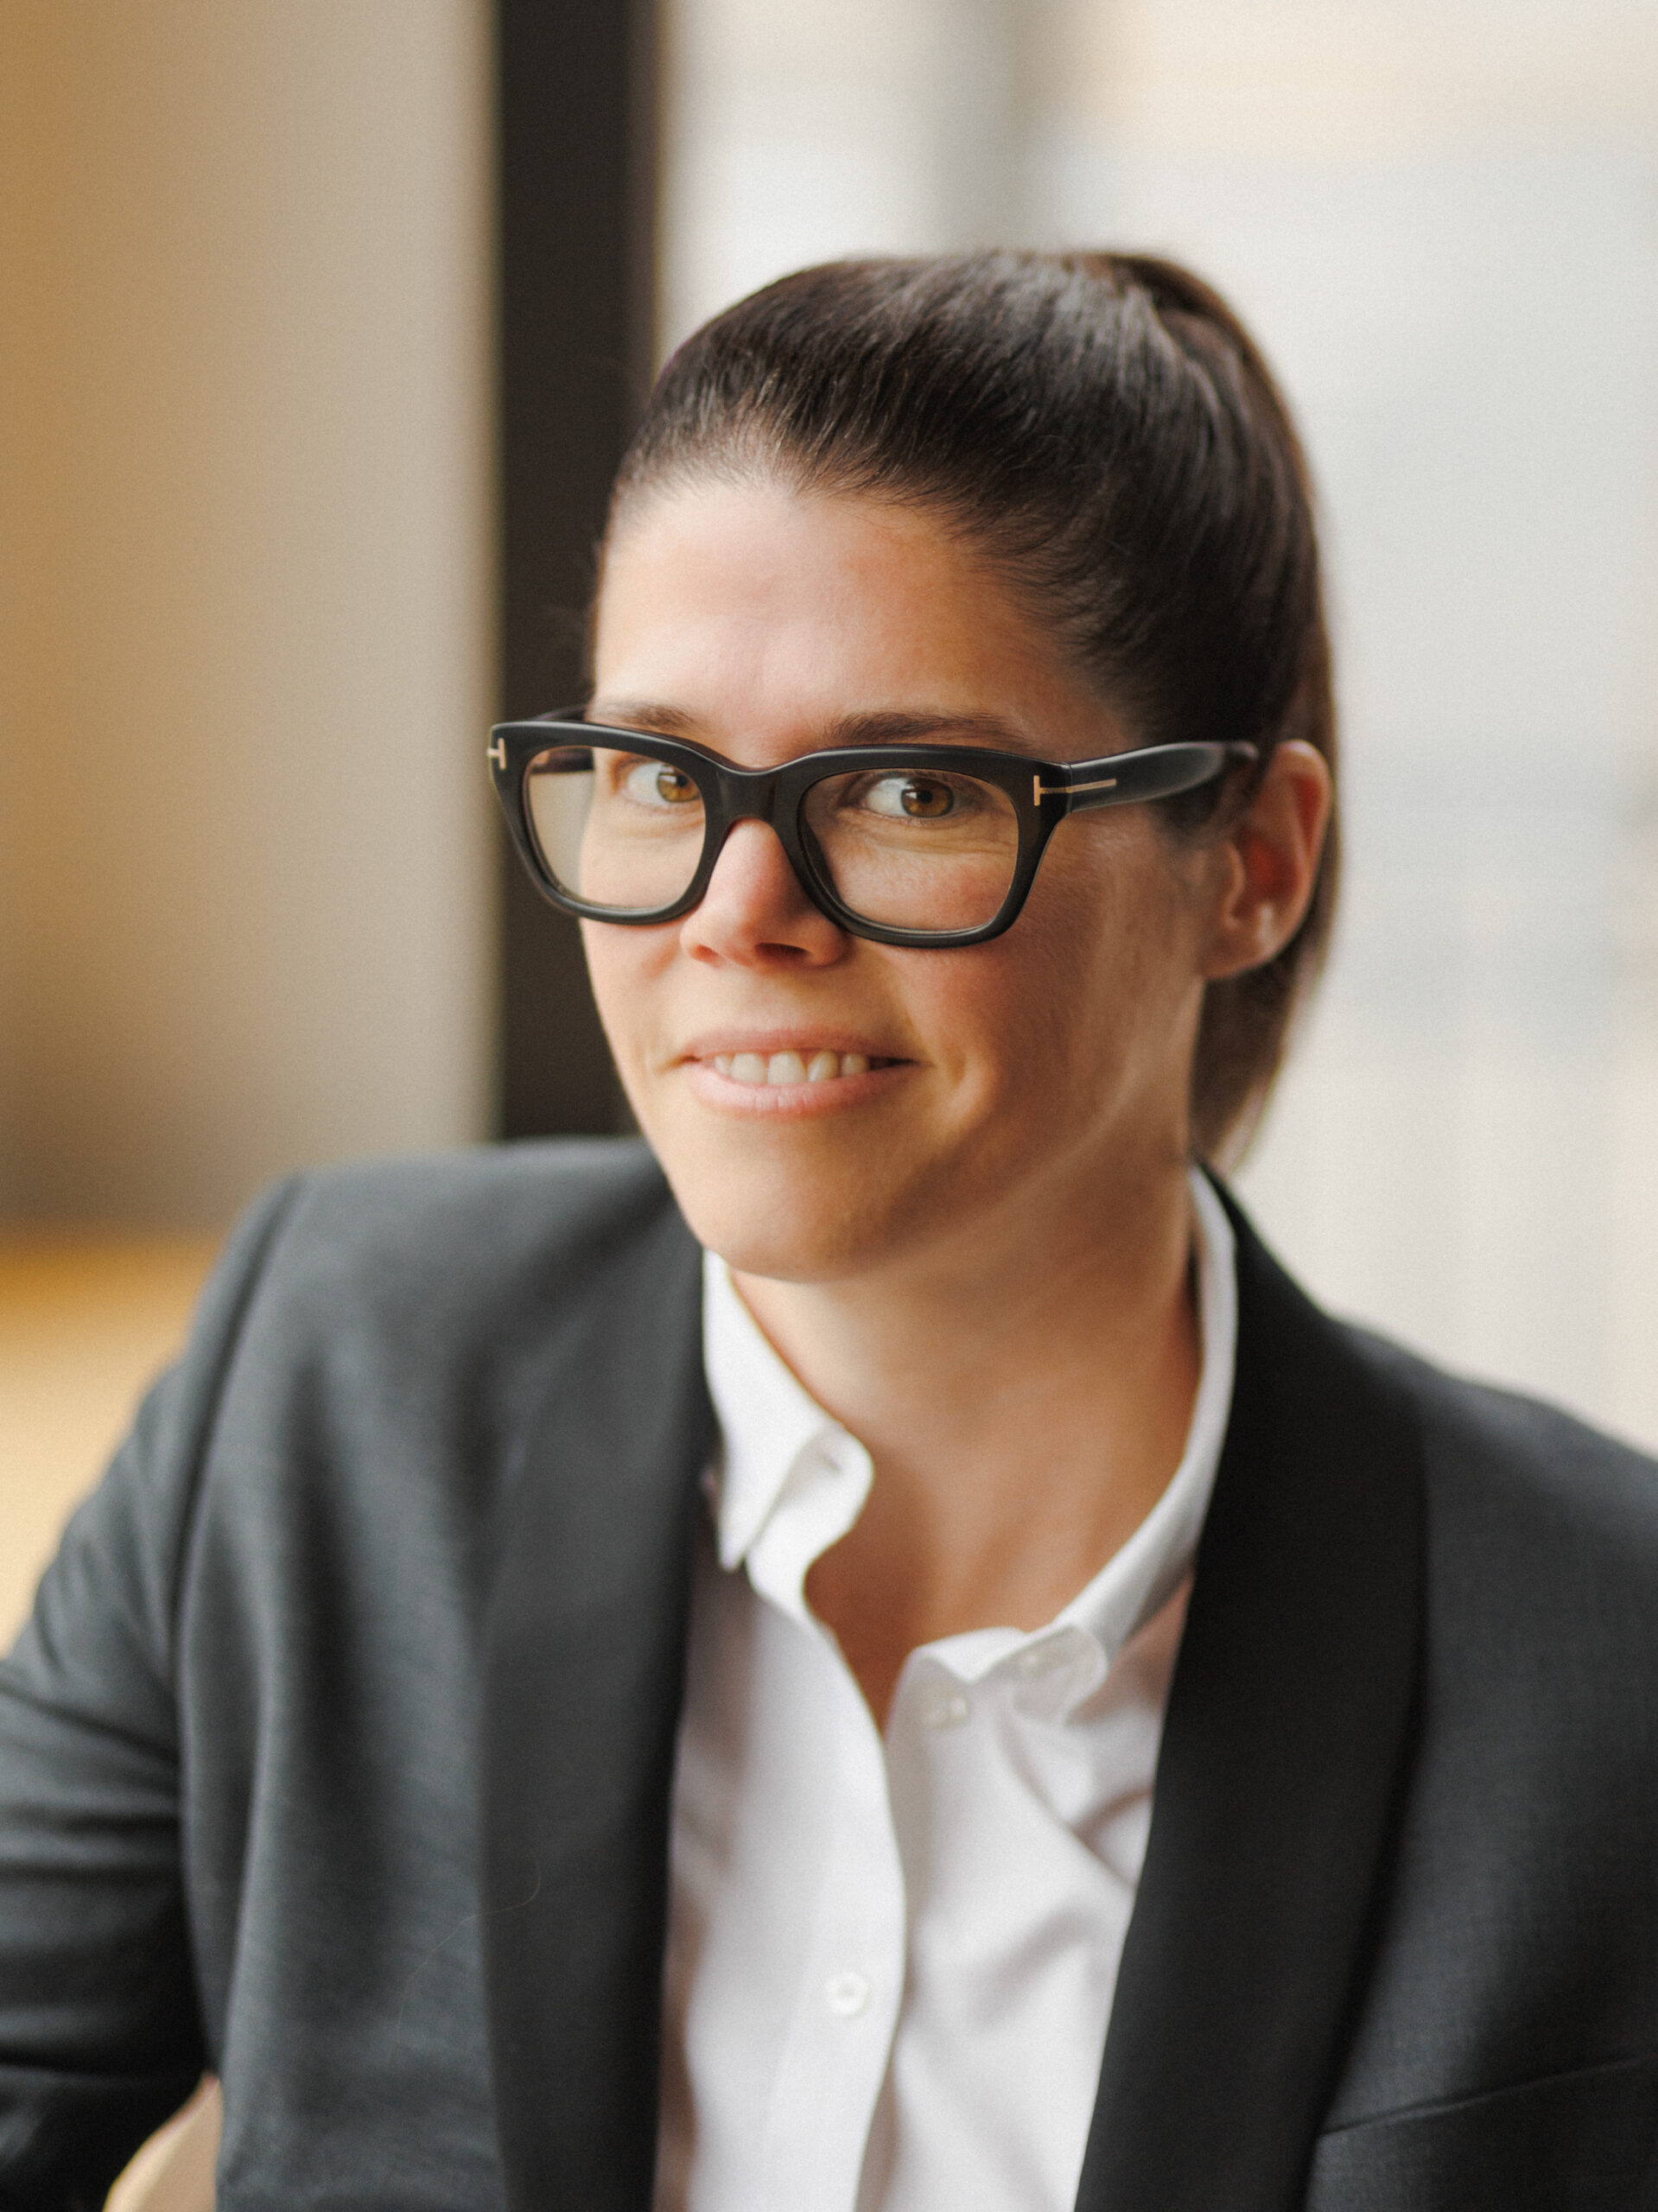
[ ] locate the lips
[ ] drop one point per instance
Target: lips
(774, 1069)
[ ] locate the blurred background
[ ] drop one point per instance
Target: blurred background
(323, 323)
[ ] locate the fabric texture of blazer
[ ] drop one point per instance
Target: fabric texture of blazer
(338, 1754)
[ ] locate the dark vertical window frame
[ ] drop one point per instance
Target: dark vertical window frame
(576, 113)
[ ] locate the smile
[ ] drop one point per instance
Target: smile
(776, 1068)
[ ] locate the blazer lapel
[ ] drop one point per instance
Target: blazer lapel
(583, 1682)
(1284, 1754)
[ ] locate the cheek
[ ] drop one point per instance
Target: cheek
(1113, 932)
(624, 967)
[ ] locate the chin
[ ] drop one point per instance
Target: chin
(793, 1220)
(787, 1236)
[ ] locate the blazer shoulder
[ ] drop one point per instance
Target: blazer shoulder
(499, 1199)
(1524, 1488)
(1520, 1496)
(478, 1234)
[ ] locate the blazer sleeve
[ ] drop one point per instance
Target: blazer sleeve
(100, 2029)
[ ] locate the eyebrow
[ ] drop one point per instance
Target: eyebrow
(907, 726)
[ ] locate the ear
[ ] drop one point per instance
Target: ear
(1269, 863)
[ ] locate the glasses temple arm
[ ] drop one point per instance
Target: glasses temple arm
(1154, 772)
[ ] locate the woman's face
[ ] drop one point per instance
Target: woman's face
(1023, 1088)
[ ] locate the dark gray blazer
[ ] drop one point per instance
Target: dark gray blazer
(337, 1756)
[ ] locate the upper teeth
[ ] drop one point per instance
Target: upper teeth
(790, 1067)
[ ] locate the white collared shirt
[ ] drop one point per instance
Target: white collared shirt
(891, 1959)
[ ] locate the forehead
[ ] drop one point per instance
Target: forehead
(751, 609)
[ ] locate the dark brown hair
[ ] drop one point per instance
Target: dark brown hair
(1104, 428)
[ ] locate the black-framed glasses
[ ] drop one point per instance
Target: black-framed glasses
(908, 844)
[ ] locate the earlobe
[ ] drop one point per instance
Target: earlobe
(1271, 859)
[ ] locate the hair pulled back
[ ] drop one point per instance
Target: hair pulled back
(1101, 428)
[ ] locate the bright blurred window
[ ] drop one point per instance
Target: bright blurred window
(1441, 217)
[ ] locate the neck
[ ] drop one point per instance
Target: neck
(1023, 1417)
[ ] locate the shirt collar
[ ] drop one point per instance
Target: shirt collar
(776, 1438)
(768, 1422)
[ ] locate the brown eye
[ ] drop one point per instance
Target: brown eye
(929, 800)
(920, 797)
(654, 783)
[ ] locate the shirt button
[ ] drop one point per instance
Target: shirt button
(948, 1710)
(847, 1994)
(1042, 1659)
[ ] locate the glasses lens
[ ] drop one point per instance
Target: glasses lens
(614, 828)
(916, 849)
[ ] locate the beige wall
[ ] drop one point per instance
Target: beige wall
(244, 598)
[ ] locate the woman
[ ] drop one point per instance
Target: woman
(798, 1571)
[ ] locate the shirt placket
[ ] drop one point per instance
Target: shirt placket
(835, 2055)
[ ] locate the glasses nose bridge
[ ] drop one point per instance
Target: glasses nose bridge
(754, 795)
(748, 795)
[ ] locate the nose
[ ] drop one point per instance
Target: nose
(755, 914)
